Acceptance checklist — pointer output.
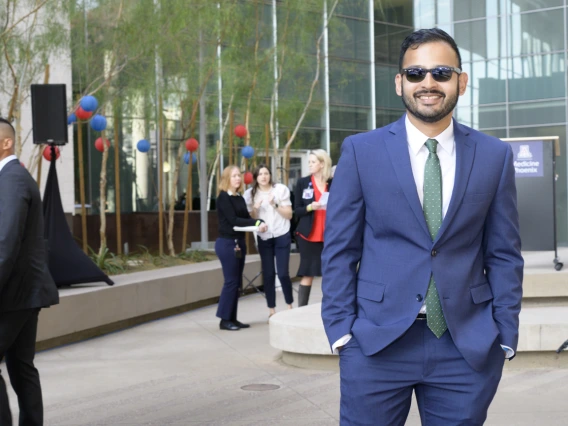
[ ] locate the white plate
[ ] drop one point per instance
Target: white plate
(245, 228)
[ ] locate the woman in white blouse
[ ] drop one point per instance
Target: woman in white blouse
(271, 202)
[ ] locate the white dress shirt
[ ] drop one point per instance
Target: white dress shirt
(7, 160)
(277, 224)
(418, 152)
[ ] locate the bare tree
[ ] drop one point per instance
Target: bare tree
(312, 86)
(31, 32)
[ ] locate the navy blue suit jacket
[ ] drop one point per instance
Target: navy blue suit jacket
(379, 255)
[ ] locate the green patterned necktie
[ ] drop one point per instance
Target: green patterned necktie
(432, 206)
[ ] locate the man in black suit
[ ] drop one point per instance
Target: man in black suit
(25, 283)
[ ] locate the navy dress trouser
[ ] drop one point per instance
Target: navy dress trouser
(377, 390)
(233, 275)
(278, 247)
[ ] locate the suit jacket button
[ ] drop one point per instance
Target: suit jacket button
(434, 253)
(419, 297)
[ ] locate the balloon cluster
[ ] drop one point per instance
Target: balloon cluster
(191, 145)
(87, 106)
(247, 152)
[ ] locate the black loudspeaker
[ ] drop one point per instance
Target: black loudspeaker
(49, 114)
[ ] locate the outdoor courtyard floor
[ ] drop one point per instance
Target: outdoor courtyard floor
(183, 370)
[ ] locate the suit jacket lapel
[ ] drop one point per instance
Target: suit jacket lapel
(465, 152)
(397, 147)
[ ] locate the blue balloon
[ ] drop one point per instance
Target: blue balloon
(71, 119)
(98, 123)
(248, 151)
(143, 145)
(89, 103)
(186, 158)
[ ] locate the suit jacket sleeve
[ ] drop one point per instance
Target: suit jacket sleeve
(13, 216)
(345, 219)
(502, 255)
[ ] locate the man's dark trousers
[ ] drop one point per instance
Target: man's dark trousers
(18, 330)
(377, 390)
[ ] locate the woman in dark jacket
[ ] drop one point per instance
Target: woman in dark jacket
(230, 247)
(311, 215)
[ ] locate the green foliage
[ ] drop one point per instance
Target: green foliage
(175, 31)
(194, 256)
(107, 261)
(31, 34)
(143, 259)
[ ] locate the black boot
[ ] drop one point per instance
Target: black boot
(304, 294)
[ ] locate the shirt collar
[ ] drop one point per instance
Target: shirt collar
(416, 138)
(7, 160)
(233, 193)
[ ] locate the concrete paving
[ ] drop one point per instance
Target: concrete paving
(183, 370)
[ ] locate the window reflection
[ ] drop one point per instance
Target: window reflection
(481, 39)
(537, 77)
(349, 83)
(394, 11)
(385, 95)
(538, 32)
(487, 82)
(467, 9)
(524, 114)
(482, 117)
(517, 6)
(349, 39)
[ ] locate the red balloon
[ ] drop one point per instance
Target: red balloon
(240, 131)
(191, 144)
(47, 153)
(81, 114)
(99, 144)
(248, 178)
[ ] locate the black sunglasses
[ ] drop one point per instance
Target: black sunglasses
(440, 74)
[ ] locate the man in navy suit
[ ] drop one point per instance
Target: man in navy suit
(422, 267)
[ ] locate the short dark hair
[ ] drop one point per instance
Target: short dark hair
(4, 121)
(420, 37)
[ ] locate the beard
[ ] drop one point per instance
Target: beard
(430, 115)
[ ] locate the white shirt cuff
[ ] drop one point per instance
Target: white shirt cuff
(509, 352)
(341, 342)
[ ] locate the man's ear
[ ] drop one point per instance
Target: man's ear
(8, 144)
(398, 84)
(463, 78)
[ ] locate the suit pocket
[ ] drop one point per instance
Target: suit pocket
(473, 198)
(481, 293)
(370, 290)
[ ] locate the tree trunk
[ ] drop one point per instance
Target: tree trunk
(102, 209)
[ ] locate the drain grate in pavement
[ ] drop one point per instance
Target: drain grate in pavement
(260, 387)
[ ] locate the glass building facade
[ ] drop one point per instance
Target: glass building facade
(513, 50)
